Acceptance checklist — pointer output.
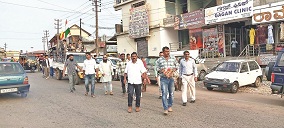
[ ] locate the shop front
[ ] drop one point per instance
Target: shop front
(269, 28)
(226, 28)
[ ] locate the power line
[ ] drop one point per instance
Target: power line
(21, 32)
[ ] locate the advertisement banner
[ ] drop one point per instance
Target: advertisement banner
(139, 22)
(268, 13)
(226, 12)
(189, 20)
(195, 39)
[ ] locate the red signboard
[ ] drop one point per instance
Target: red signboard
(189, 20)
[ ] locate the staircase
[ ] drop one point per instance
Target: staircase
(248, 51)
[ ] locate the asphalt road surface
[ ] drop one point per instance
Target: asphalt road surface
(50, 104)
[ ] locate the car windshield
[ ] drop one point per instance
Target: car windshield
(11, 68)
(281, 60)
(79, 58)
(114, 61)
(151, 61)
(31, 58)
(228, 67)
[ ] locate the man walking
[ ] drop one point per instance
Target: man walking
(71, 65)
(134, 70)
(89, 71)
(51, 65)
(46, 66)
(166, 66)
(107, 72)
(158, 77)
(121, 65)
(188, 73)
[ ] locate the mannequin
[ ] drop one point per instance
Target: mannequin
(282, 31)
(234, 46)
(251, 36)
(270, 34)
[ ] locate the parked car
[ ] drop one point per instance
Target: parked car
(268, 70)
(277, 76)
(233, 74)
(151, 61)
(13, 79)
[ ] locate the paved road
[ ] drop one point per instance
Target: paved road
(50, 104)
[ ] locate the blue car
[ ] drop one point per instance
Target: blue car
(13, 79)
(277, 76)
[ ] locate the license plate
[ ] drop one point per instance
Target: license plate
(214, 86)
(9, 90)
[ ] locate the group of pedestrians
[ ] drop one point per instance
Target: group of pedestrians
(133, 74)
(47, 66)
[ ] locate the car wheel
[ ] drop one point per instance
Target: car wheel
(235, 87)
(24, 94)
(257, 82)
(209, 88)
(274, 92)
(202, 75)
(58, 74)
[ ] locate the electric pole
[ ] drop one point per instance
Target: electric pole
(80, 28)
(5, 47)
(57, 26)
(97, 3)
(43, 42)
(46, 35)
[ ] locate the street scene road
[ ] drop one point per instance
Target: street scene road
(50, 104)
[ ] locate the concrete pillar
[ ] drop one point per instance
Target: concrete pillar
(219, 2)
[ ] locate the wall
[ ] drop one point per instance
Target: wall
(168, 35)
(76, 31)
(125, 43)
(154, 42)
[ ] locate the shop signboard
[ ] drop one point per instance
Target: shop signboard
(189, 20)
(169, 21)
(195, 39)
(230, 11)
(139, 22)
(268, 13)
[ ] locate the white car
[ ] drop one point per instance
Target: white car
(233, 74)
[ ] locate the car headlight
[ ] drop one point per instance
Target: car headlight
(226, 80)
(206, 78)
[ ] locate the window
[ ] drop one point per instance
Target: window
(253, 65)
(138, 4)
(244, 67)
(281, 60)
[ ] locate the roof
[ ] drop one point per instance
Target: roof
(75, 25)
(238, 61)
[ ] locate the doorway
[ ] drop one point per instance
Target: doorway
(233, 33)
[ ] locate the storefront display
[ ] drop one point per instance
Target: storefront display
(270, 34)
(282, 31)
(195, 39)
(210, 40)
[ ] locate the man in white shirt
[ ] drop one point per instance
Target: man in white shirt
(134, 70)
(89, 72)
(51, 65)
(188, 73)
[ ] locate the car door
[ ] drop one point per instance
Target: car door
(278, 70)
(244, 75)
(255, 71)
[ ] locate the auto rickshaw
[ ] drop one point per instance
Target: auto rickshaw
(28, 63)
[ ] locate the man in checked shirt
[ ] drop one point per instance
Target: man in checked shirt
(166, 66)
(121, 65)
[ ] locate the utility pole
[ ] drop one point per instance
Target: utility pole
(5, 47)
(80, 29)
(43, 42)
(97, 3)
(46, 35)
(57, 26)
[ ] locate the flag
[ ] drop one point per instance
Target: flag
(66, 22)
(61, 36)
(67, 32)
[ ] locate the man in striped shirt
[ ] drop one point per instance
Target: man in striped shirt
(121, 65)
(166, 66)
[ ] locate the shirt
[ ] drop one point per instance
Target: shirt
(71, 66)
(162, 63)
(234, 44)
(121, 65)
(50, 62)
(134, 72)
(188, 67)
(90, 66)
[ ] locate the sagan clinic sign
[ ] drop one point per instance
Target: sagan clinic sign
(230, 11)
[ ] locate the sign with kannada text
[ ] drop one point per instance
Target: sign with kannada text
(268, 14)
(231, 11)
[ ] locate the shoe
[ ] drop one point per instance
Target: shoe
(92, 95)
(106, 93)
(183, 104)
(86, 93)
(193, 101)
(129, 109)
(46, 77)
(111, 93)
(160, 97)
(71, 91)
(170, 109)
(74, 89)
(137, 109)
(166, 112)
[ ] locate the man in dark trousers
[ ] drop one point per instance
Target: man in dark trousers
(46, 66)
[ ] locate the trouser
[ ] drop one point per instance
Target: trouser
(108, 86)
(234, 50)
(88, 78)
(71, 81)
(131, 88)
(159, 84)
(167, 88)
(46, 71)
(122, 84)
(51, 71)
(188, 85)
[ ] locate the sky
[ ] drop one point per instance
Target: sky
(22, 22)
